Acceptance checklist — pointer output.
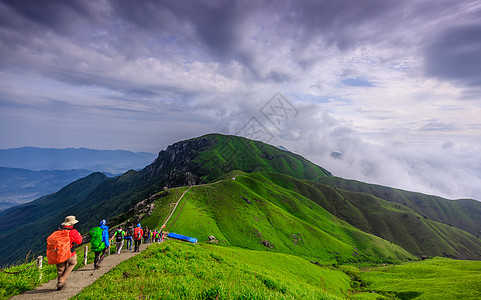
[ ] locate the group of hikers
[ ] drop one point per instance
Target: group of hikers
(62, 243)
(135, 235)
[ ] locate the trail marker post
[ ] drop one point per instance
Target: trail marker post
(86, 252)
(39, 265)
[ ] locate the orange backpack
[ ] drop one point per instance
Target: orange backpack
(58, 247)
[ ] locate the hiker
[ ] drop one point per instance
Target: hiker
(128, 237)
(152, 234)
(155, 236)
(119, 239)
(61, 249)
(99, 242)
(146, 235)
(138, 233)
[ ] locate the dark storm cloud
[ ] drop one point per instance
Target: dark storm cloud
(340, 23)
(455, 54)
(207, 25)
(218, 27)
(55, 15)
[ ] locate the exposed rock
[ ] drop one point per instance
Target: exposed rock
(175, 165)
(246, 200)
(213, 239)
(267, 244)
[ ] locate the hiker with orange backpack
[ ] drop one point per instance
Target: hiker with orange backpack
(99, 241)
(61, 250)
(138, 233)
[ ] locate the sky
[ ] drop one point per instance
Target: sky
(380, 91)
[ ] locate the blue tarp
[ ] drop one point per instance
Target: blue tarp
(182, 237)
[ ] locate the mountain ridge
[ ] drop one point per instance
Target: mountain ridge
(210, 157)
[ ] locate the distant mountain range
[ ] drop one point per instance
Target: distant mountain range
(19, 186)
(255, 196)
(28, 173)
(110, 161)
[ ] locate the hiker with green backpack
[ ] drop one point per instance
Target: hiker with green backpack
(61, 249)
(99, 241)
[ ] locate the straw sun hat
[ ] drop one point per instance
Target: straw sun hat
(69, 221)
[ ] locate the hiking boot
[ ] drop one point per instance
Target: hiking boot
(60, 286)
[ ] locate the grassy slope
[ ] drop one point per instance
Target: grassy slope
(463, 214)
(236, 153)
(438, 278)
(177, 270)
(391, 221)
(249, 210)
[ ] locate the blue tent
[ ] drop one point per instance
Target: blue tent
(182, 237)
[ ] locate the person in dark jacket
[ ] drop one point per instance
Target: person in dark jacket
(65, 268)
(146, 235)
(129, 233)
(119, 239)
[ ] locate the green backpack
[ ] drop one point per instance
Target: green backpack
(96, 239)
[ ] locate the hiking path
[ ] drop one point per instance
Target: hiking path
(78, 279)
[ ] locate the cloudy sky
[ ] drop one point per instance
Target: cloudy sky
(380, 91)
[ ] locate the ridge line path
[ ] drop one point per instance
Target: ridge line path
(178, 201)
(78, 279)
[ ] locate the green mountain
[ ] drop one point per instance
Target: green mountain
(463, 214)
(254, 212)
(285, 204)
(392, 221)
(192, 161)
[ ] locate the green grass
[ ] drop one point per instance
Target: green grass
(391, 221)
(463, 213)
(437, 278)
(251, 210)
(177, 270)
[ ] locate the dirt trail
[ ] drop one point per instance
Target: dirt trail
(78, 279)
(177, 203)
